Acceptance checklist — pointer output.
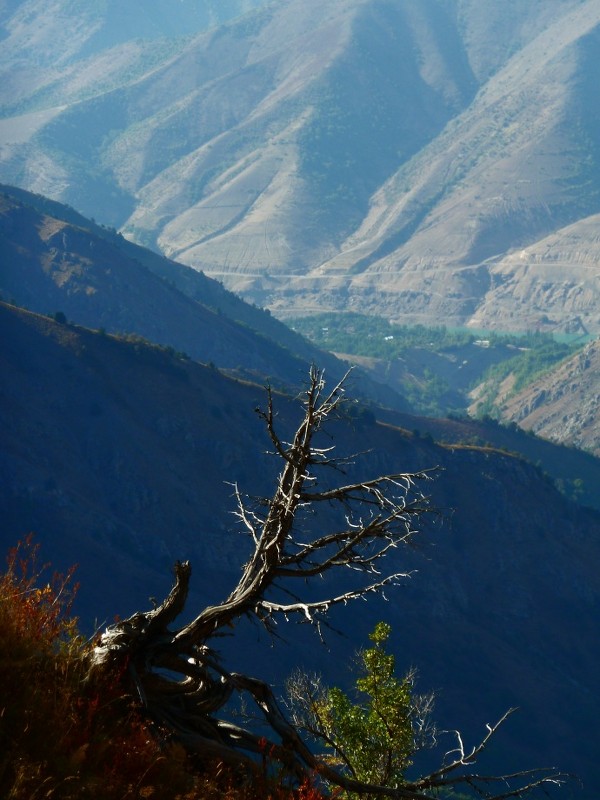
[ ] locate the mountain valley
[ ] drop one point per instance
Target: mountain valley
(430, 162)
(202, 199)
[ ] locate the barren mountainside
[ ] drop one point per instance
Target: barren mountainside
(563, 406)
(427, 161)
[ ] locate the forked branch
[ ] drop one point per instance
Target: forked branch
(178, 677)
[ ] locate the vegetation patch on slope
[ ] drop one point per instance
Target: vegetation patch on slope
(436, 368)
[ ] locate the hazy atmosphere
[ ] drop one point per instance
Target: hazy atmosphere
(214, 207)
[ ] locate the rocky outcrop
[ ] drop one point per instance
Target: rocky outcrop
(564, 405)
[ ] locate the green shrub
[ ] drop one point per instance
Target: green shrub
(373, 736)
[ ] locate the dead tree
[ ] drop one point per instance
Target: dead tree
(178, 678)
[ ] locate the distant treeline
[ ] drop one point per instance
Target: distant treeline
(364, 335)
(524, 356)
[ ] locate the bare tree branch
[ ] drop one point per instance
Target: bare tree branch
(178, 677)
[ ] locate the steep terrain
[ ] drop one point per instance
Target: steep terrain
(512, 166)
(428, 161)
(53, 259)
(121, 457)
(69, 51)
(564, 405)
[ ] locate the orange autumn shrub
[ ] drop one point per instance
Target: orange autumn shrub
(64, 736)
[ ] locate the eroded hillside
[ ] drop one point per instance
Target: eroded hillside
(564, 405)
(429, 162)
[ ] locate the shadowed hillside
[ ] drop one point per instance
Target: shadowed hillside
(120, 456)
(53, 259)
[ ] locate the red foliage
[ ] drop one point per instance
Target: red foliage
(65, 736)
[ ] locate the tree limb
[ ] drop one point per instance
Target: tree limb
(178, 678)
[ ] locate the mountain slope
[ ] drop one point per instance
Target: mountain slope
(49, 264)
(512, 167)
(121, 456)
(54, 259)
(564, 405)
(425, 160)
(72, 50)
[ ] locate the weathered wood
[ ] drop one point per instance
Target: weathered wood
(179, 680)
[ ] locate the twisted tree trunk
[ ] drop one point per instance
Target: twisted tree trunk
(179, 680)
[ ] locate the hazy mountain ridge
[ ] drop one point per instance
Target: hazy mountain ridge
(73, 49)
(398, 157)
(54, 259)
(497, 174)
